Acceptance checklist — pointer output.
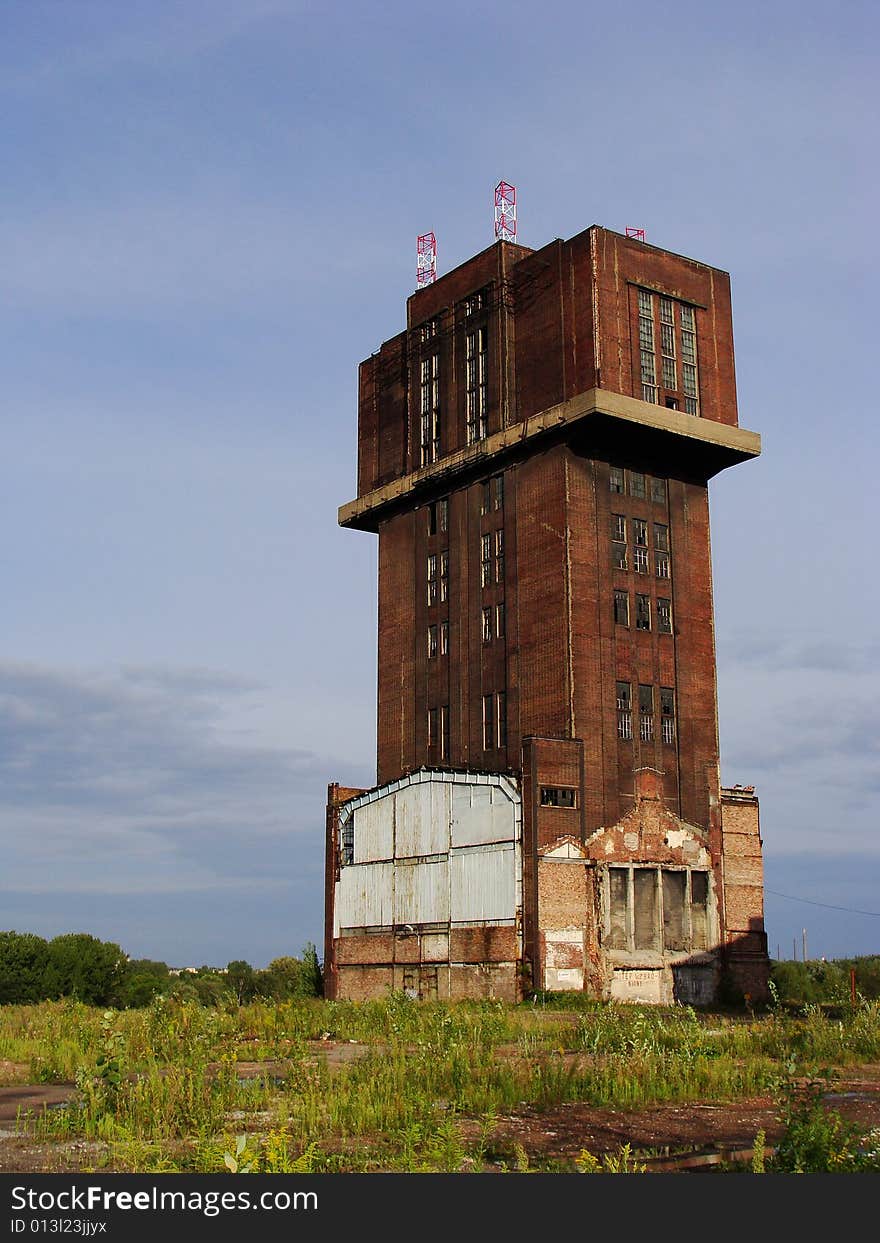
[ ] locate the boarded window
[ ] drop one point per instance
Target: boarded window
(645, 928)
(618, 885)
(674, 925)
(699, 910)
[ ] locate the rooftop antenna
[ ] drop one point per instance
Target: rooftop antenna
(505, 212)
(426, 260)
(638, 234)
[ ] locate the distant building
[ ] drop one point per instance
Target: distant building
(534, 452)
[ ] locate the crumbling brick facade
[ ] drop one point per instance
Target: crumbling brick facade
(534, 454)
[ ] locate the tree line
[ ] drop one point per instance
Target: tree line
(100, 973)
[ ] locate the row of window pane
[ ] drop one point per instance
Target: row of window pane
(475, 387)
(648, 305)
(646, 712)
(438, 640)
(637, 484)
(643, 612)
(494, 721)
(429, 407)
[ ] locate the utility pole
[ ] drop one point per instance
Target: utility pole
(804, 934)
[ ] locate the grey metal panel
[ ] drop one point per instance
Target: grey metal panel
(374, 830)
(422, 819)
(483, 884)
(482, 813)
(365, 895)
(421, 893)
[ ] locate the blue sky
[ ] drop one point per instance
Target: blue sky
(209, 217)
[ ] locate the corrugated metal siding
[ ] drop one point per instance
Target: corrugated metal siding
(374, 831)
(421, 893)
(481, 814)
(365, 895)
(483, 884)
(421, 820)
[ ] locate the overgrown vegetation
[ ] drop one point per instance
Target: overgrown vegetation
(161, 1087)
(826, 983)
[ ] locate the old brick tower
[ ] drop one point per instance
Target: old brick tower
(534, 452)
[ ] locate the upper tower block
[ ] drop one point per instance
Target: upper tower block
(625, 340)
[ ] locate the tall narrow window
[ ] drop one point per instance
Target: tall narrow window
(444, 577)
(667, 344)
(637, 484)
(432, 519)
(487, 625)
(432, 642)
(485, 560)
(621, 608)
(432, 579)
(667, 714)
(640, 560)
(444, 731)
(488, 723)
(432, 727)
(429, 390)
(499, 556)
(497, 491)
(646, 713)
(664, 615)
(646, 933)
(475, 354)
(661, 550)
(640, 533)
(624, 710)
(618, 541)
(444, 638)
(643, 612)
(646, 345)
(658, 490)
(689, 378)
(699, 910)
(485, 497)
(499, 620)
(616, 479)
(501, 718)
(443, 514)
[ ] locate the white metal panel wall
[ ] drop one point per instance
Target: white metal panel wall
(481, 814)
(483, 884)
(422, 819)
(421, 893)
(374, 830)
(365, 895)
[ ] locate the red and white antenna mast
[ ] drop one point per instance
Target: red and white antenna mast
(505, 212)
(426, 261)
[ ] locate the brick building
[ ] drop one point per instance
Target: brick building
(534, 452)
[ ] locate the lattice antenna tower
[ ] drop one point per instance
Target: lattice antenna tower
(505, 212)
(426, 260)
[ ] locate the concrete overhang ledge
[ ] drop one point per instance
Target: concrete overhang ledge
(609, 415)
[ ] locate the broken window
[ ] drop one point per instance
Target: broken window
(432, 727)
(621, 608)
(558, 796)
(485, 497)
(432, 519)
(432, 642)
(497, 491)
(657, 908)
(667, 714)
(637, 484)
(487, 625)
(443, 514)
(444, 576)
(643, 612)
(475, 389)
(640, 533)
(640, 560)
(624, 710)
(444, 638)
(646, 713)
(661, 537)
(618, 541)
(664, 615)
(616, 479)
(658, 490)
(432, 579)
(499, 556)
